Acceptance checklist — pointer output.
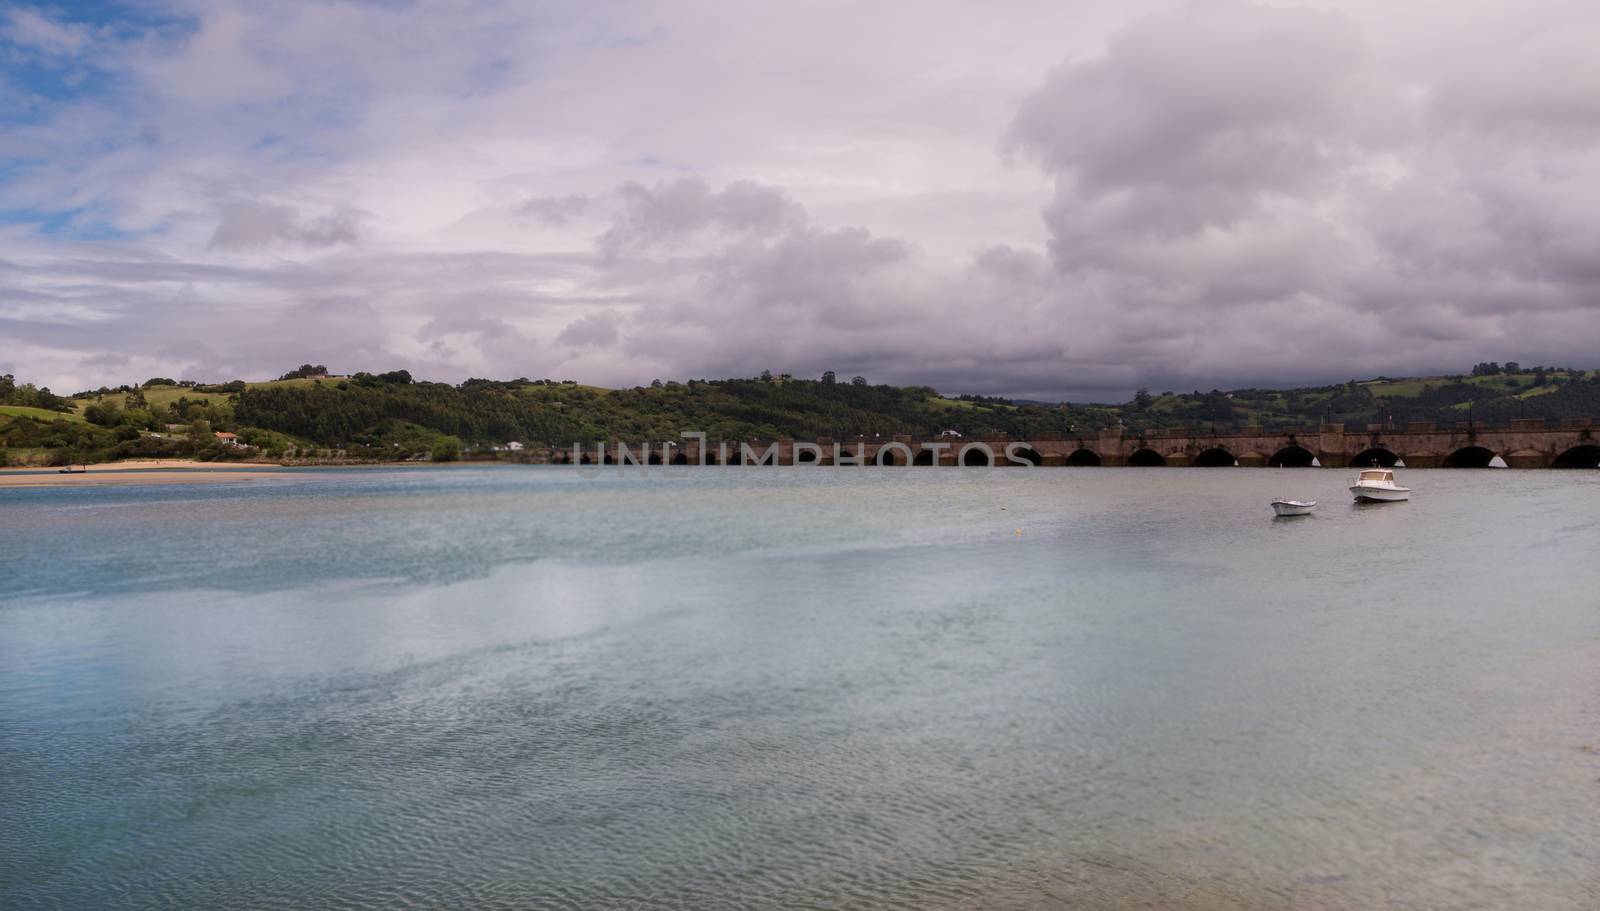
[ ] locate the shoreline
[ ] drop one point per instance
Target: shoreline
(137, 472)
(141, 471)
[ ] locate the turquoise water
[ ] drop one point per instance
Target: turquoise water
(516, 687)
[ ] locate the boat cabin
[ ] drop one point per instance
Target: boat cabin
(1377, 474)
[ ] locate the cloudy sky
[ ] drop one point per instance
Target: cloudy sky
(1056, 199)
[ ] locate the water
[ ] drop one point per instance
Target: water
(515, 687)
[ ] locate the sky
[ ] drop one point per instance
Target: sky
(1064, 199)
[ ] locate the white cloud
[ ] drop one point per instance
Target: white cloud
(33, 29)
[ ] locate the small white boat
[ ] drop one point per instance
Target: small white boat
(1287, 507)
(1376, 485)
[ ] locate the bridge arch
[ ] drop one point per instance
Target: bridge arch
(886, 454)
(1025, 453)
(804, 456)
(977, 455)
(655, 458)
(1291, 456)
(680, 458)
(1146, 458)
(1376, 457)
(1583, 456)
(1216, 457)
(1083, 457)
(923, 457)
(1469, 457)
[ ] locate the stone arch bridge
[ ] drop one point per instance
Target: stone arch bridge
(1524, 444)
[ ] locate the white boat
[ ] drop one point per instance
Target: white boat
(1376, 485)
(1287, 507)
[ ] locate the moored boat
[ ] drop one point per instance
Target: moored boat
(1377, 485)
(1286, 507)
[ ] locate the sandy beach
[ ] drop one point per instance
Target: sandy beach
(142, 471)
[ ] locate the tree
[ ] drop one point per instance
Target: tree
(828, 378)
(105, 414)
(766, 376)
(1142, 400)
(305, 370)
(858, 381)
(446, 450)
(655, 384)
(1513, 367)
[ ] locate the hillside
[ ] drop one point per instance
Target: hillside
(391, 416)
(366, 409)
(1494, 395)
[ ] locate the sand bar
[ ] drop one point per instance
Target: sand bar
(142, 471)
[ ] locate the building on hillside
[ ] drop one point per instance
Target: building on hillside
(227, 439)
(514, 446)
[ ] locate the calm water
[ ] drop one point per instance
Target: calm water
(801, 688)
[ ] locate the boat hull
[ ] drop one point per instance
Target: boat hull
(1367, 493)
(1293, 509)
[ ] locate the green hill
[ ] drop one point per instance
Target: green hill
(1491, 398)
(391, 416)
(38, 414)
(354, 412)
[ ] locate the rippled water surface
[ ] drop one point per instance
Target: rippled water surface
(514, 687)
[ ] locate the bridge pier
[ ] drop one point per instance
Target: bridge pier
(1528, 458)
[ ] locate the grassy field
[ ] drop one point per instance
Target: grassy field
(939, 403)
(155, 395)
(298, 381)
(1519, 385)
(166, 395)
(40, 413)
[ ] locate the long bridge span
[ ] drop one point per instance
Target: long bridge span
(1524, 444)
